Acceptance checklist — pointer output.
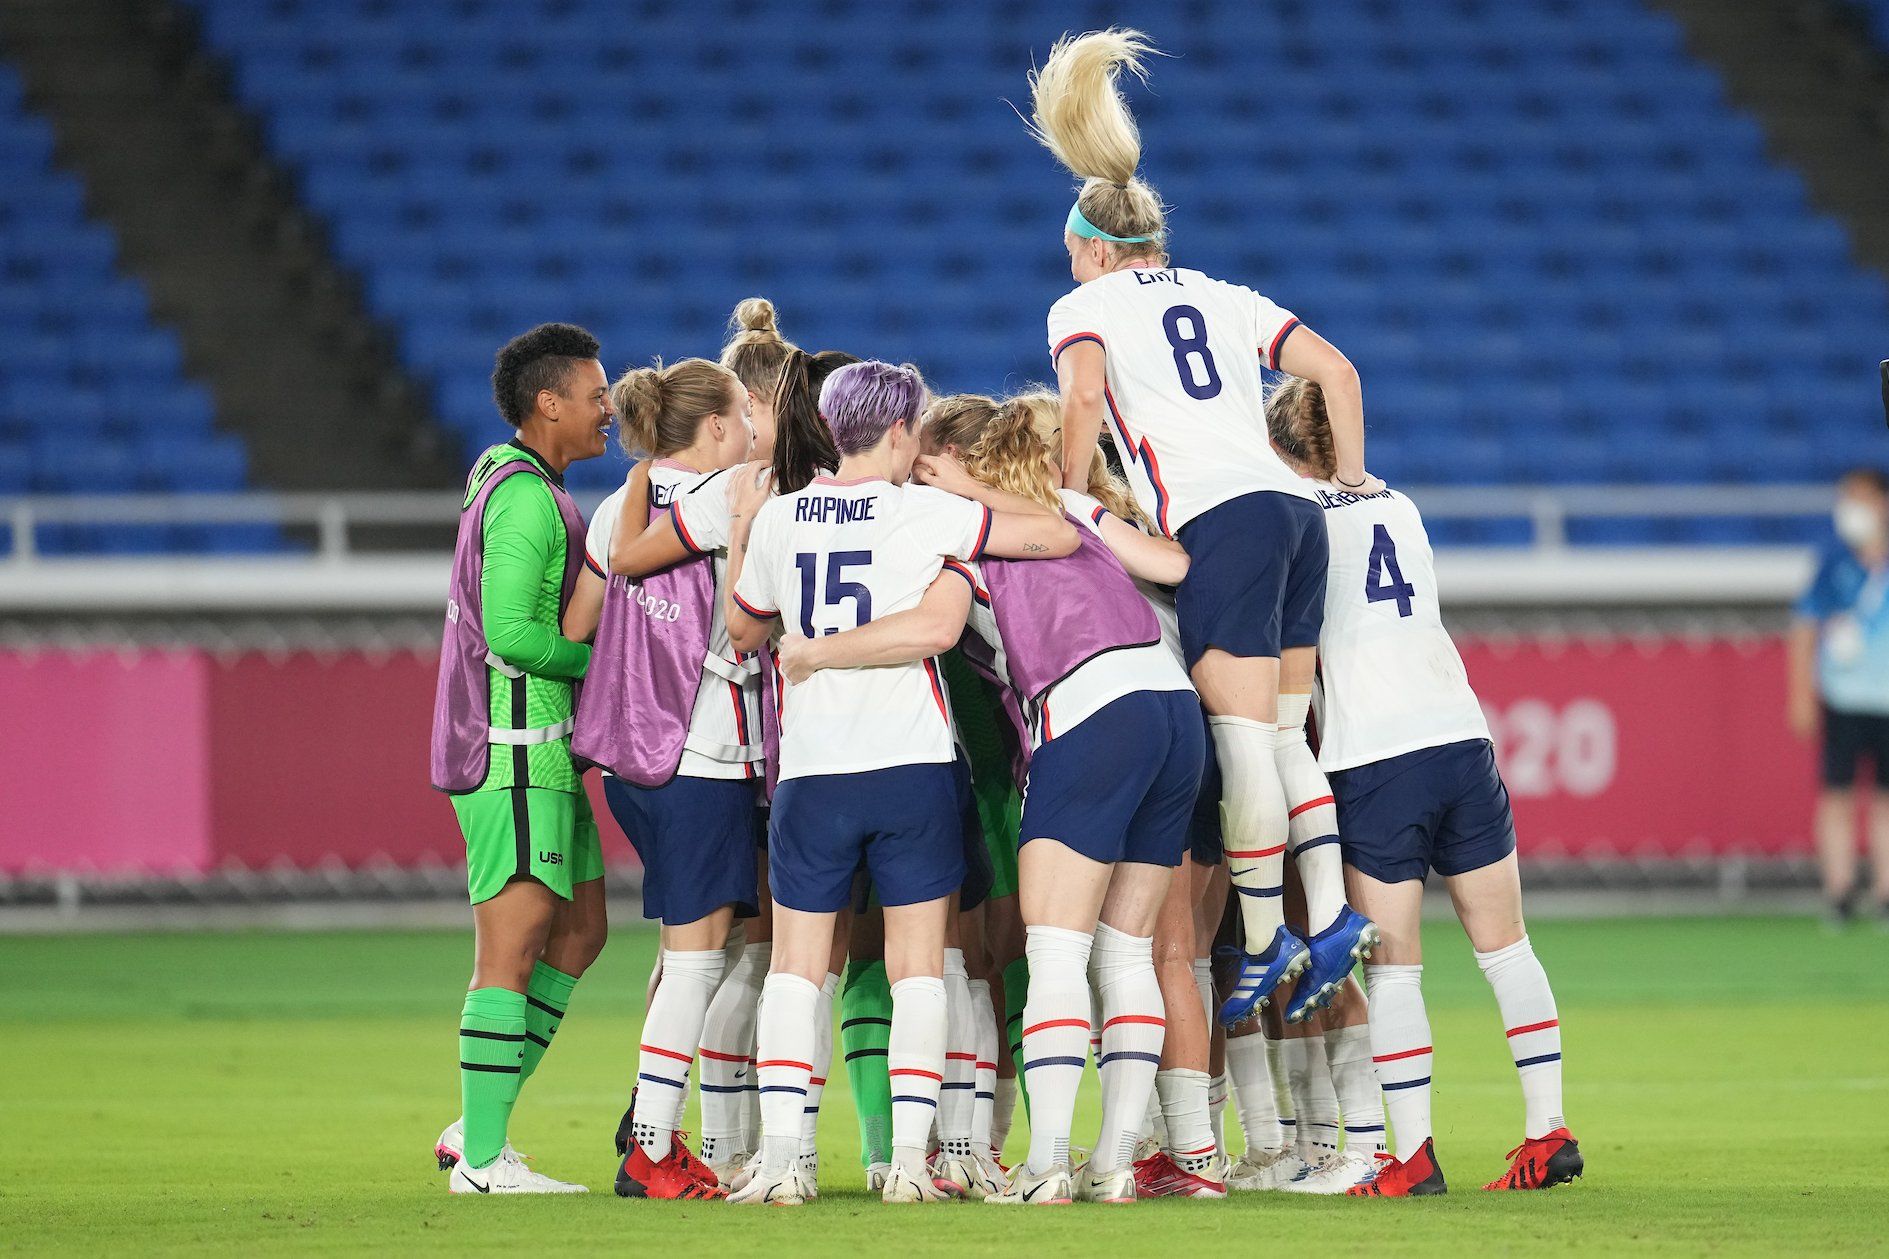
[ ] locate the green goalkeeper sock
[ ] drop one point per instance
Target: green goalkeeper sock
(865, 1032)
(547, 997)
(491, 1048)
(1016, 991)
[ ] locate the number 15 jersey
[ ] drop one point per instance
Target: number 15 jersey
(1391, 679)
(1184, 396)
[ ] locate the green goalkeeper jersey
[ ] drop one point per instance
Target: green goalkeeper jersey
(520, 589)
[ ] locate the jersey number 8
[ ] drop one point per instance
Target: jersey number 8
(1186, 348)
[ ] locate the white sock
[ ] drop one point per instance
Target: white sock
(1282, 1105)
(957, 1096)
(1400, 1051)
(1184, 1106)
(1534, 1031)
(915, 1060)
(1055, 1033)
(984, 1042)
(1203, 980)
(1217, 1112)
(1360, 1105)
(1002, 1112)
(1314, 1103)
(1252, 1092)
(1311, 815)
(822, 1068)
(785, 1067)
(1253, 818)
(1153, 1127)
(727, 1069)
(1121, 968)
(672, 1033)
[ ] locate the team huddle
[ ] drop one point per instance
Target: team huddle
(984, 719)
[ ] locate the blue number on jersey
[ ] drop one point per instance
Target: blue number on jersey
(1187, 346)
(1384, 565)
(837, 588)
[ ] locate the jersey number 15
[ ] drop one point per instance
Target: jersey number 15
(837, 588)
(1384, 581)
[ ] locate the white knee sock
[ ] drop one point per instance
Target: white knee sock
(1055, 1034)
(785, 1054)
(1360, 1105)
(1252, 1092)
(1184, 1105)
(816, 1085)
(1217, 1086)
(1002, 1113)
(1400, 1051)
(1203, 980)
(984, 1079)
(727, 1068)
(1314, 1101)
(1253, 818)
(671, 1034)
(1217, 1111)
(915, 1059)
(1121, 968)
(1282, 1090)
(1534, 1030)
(1312, 817)
(957, 1097)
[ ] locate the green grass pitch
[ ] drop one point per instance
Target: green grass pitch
(187, 1093)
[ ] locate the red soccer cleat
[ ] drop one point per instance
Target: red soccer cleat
(1416, 1177)
(674, 1177)
(1541, 1162)
(1159, 1176)
(679, 1150)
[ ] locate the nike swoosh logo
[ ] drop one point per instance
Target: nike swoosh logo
(476, 1185)
(1031, 1192)
(742, 1074)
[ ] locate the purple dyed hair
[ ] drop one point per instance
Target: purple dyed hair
(861, 401)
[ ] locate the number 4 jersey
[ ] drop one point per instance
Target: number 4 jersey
(832, 557)
(1184, 399)
(1391, 679)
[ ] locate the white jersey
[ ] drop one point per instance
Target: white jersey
(830, 558)
(1392, 681)
(1184, 395)
(724, 739)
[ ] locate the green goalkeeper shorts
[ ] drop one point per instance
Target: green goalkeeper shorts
(1000, 811)
(528, 832)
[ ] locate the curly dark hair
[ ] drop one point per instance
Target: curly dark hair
(537, 360)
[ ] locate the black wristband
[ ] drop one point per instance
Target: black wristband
(1348, 485)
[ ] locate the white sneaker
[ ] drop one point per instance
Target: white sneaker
(1027, 1188)
(902, 1186)
(1266, 1169)
(726, 1170)
(741, 1175)
(451, 1146)
(1335, 1174)
(973, 1177)
(506, 1174)
(763, 1189)
(1115, 1186)
(807, 1167)
(877, 1175)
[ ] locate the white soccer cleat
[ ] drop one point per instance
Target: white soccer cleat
(877, 1175)
(901, 1186)
(506, 1174)
(1032, 1189)
(1116, 1186)
(1267, 1169)
(764, 1189)
(974, 1177)
(740, 1176)
(726, 1170)
(807, 1167)
(451, 1146)
(1335, 1174)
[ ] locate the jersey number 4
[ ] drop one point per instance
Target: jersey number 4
(837, 588)
(1192, 358)
(1384, 582)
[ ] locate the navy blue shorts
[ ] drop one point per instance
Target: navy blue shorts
(1442, 809)
(696, 839)
(1121, 786)
(903, 823)
(1255, 579)
(978, 875)
(1205, 843)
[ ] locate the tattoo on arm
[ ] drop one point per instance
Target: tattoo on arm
(1034, 546)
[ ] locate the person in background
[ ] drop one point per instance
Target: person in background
(1839, 678)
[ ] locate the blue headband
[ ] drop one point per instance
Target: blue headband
(1080, 225)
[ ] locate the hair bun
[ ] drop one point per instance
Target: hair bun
(755, 316)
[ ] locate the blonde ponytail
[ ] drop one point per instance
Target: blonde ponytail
(1079, 115)
(755, 348)
(661, 409)
(1012, 455)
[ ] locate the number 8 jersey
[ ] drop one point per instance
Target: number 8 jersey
(1184, 396)
(1391, 680)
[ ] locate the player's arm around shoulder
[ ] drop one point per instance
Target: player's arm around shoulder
(752, 605)
(1013, 527)
(918, 633)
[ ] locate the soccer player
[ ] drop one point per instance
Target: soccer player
(1408, 753)
(1171, 359)
(674, 712)
(866, 754)
(502, 721)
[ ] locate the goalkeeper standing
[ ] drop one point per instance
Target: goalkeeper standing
(502, 720)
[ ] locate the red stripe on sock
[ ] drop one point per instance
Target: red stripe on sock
(1205, 1149)
(784, 1062)
(668, 1053)
(1534, 1027)
(820, 1080)
(918, 1071)
(960, 1057)
(1309, 804)
(1154, 1020)
(710, 1053)
(986, 1066)
(1408, 1053)
(1258, 854)
(1049, 1023)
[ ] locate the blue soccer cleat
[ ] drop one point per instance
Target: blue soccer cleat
(1262, 973)
(1335, 950)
